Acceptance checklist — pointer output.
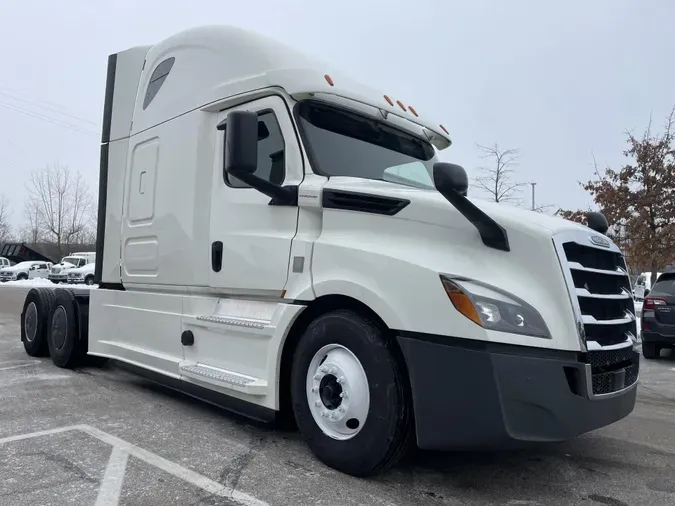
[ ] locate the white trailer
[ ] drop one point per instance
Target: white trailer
(282, 241)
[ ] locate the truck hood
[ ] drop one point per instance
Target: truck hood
(13, 268)
(83, 270)
(429, 206)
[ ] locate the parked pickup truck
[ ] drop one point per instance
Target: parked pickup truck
(25, 270)
(82, 275)
(59, 273)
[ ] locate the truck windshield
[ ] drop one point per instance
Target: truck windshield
(70, 260)
(344, 143)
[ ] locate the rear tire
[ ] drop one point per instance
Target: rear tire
(35, 321)
(344, 370)
(650, 350)
(66, 347)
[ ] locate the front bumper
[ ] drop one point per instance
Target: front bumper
(473, 395)
(72, 281)
(60, 278)
(3, 279)
(649, 336)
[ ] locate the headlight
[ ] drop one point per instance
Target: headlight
(494, 309)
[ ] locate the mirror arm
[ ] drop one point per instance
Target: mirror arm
(280, 195)
(491, 232)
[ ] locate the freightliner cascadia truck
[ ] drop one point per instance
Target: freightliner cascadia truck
(280, 240)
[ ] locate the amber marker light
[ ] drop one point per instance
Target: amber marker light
(461, 301)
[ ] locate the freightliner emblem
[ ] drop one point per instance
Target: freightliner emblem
(600, 241)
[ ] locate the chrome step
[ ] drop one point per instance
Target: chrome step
(223, 378)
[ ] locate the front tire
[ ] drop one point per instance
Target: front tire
(35, 315)
(89, 280)
(350, 394)
(66, 347)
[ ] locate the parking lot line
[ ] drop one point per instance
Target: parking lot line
(15, 367)
(176, 470)
(111, 485)
(31, 435)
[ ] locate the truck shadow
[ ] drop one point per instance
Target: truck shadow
(590, 469)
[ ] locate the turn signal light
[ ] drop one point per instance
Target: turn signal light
(461, 301)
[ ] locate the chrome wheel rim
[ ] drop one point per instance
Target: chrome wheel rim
(337, 392)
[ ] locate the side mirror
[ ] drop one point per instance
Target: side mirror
(597, 222)
(647, 290)
(241, 142)
(242, 132)
(449, 176)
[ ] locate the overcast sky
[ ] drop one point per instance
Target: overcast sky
(558, 80)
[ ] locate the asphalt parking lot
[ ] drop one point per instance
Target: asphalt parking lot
(106, 437)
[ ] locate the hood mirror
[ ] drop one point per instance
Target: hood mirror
(453, 183)
(450, 176)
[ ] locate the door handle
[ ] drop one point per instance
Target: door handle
(217, 256)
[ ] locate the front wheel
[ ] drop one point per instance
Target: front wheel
(350, 394)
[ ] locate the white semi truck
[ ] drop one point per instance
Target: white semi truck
(282, 241)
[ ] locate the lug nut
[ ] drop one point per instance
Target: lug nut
(342, 409)
(343, 395)
(323, 369)
(317, 376)
(333, 370)
(341, 379)
(325, 414)
(315, 390)
(317, 403)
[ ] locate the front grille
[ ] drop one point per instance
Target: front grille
(613, 370)
(600, 289)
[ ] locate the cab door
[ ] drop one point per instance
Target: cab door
(250, 239)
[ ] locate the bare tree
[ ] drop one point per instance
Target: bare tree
(497, 178)
(32, 231)
(5, 227)
(63, 203)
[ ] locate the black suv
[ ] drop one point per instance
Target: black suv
(658, 316)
